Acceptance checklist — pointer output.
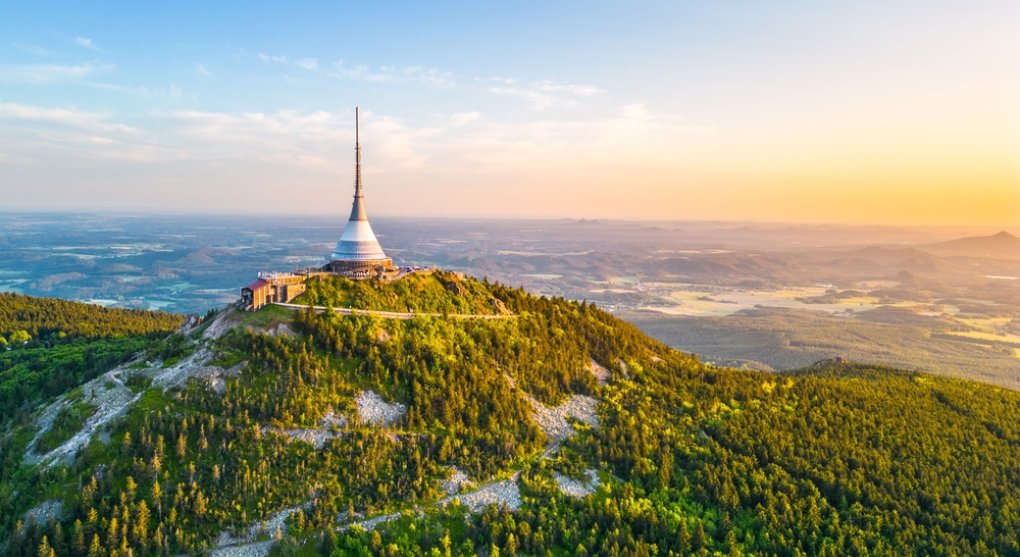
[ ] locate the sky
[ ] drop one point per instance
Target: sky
(878, 112)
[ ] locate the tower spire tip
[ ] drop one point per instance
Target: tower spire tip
(357, 154)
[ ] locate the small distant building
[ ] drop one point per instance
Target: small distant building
(256, 294)
(274, 288)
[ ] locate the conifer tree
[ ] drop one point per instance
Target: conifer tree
(95, 548)
(78, 537)
(44, 548)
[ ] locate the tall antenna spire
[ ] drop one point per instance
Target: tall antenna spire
(358, 253)
(357, 155)
(358, 210)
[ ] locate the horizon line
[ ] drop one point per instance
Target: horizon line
(494, 218)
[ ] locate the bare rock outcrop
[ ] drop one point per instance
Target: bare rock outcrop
(372, 409)
(576, 488)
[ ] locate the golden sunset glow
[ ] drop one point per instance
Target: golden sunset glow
(904, 113)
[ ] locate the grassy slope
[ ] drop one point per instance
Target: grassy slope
(434, 292)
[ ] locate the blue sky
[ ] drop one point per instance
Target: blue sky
(898, 112)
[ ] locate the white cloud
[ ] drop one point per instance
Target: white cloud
(500, 80)
(285, 136)
(625, 133)
(543, 95)
(47, 73)
(568, 89)
(169, 94)
(462, 118)
(320, 142)
(310, 64)
(637, 111)
(269, 58)
(202, 69)
(40, 134)
(293, 137)
(499, 146)
(33, 49)
(430, 77)
(63, 116)
(420, 75)
(86, 42)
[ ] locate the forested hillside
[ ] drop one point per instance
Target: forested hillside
(297, 429)
(48, 346)
(42, 317)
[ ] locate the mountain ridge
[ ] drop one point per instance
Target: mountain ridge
(341, 434)
(1002, 244)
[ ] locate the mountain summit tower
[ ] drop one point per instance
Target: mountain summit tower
(358, 253)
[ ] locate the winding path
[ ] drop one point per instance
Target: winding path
(395, 314)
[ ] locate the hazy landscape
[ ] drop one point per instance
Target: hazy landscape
(510, 279)
(766, 296)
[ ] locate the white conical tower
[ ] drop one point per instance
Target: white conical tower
(358, 249)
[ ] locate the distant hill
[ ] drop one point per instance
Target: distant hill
(889, 258)
(46, 316)
(1002, 245)
(786, 339)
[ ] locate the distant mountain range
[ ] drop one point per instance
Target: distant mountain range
(1003, 245)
